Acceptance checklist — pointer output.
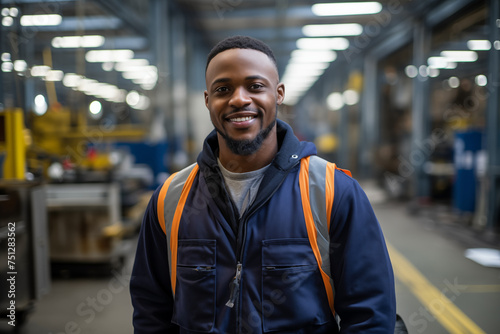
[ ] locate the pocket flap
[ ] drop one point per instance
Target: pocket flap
(196, 252)
(287, 252)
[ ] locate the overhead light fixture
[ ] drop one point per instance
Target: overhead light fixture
(7, 21)
(459, 56)
(441, 62)
(72, 80)
(13, 11)
(40, 105)
(95, 107)
(335, 101)
(335, 43)
(7, 66)
(481, 80)
(346, 8)
(41, 20)
(101, 56)
(411, 71)
(323, 30)
(54, 75)
(454, 82)
(40, 70)
(137, 101)
(128, 64)
(479, 44)
(350, 97)
(6, 56)
(141, 72)
(108, 66)
(433, 72)
(314, 55)
(89, 41)
(20, 65)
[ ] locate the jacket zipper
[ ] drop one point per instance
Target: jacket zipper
(241, 238)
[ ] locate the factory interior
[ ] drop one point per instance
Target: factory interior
(102, 100)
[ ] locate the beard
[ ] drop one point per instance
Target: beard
(248, 146)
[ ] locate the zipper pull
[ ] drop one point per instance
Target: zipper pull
(235, 287)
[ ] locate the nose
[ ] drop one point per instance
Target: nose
(240, 98)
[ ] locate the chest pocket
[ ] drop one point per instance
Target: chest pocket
(291, 286)
(195, 281)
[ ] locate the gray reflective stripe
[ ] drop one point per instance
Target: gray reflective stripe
(172, 197)
(317, 197)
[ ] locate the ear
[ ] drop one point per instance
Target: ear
(280, 90)
(205, 93)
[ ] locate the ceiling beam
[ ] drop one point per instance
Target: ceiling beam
(127, 15)
(91, 23)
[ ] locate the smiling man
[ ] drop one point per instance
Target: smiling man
(259, 235)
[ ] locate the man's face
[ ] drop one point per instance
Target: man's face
(242, 96)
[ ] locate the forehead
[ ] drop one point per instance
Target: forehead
(246, 62)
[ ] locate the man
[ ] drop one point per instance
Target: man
(225, 245)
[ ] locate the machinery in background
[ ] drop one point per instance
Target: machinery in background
(81, 176)
(24, 248)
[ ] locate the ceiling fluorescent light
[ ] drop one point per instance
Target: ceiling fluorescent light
(320, 30)
(126, 65)
(40, 70)
(41, 20)
(90, 41)
(437, 62)
(479, 44)
(54, 75)
(346, 8)
(336, 43)
(101, 56)
(72, 79)
(314, 56)
(459, 56)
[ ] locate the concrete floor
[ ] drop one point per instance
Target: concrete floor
(102, 305)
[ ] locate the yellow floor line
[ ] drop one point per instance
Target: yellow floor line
(447, 313)
(482, 288)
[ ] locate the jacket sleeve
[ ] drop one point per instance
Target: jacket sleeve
(361, 269)
(150, 287)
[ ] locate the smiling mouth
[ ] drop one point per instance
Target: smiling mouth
(241, 119)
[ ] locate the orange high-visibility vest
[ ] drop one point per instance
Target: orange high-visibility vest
(316, 180)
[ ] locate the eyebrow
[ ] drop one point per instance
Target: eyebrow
(251, 77)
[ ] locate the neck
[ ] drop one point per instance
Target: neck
(246, 163)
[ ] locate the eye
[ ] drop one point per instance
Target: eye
(256, 86)
(222, 89)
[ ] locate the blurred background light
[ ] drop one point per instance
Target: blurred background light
(342, 29)
(346, 8)
(479, 44)
(481, 80)
(40, 105)
(41, 20)
(89, 41)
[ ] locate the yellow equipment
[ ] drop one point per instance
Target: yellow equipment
(14, 143)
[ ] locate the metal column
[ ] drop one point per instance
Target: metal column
(179, 89)
(493, 119)
(369, 117)
(420, 116)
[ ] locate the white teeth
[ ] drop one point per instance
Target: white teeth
(241, 119)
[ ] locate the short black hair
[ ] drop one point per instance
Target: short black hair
(241, 42)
